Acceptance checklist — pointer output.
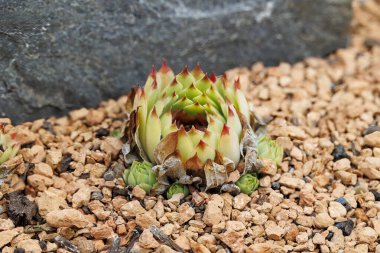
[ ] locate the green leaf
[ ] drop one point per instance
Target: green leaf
(177, 188)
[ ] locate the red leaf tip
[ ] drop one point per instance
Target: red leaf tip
(213, 77)
(237, 83)
(225, 130)
(153, 72)
(185, 70)
(164, 67)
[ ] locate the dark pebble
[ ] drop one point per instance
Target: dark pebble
(109, 175)
(65, 164)
(19, 250)
(96, 196)
(330, 235)
(118, 170)
(276, 186)
(84, 176)
(339, 153)
(371, 129)
(86, 210)
(20, 209)
(119, 192)
(43, 245)
(199, 209)
(344, 202)
(102, 132)
(345, 226)
(48, 126)
(376, 194)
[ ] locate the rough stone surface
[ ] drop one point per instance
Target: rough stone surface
(57, 56)
(66, 218)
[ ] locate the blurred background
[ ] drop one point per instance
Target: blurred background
(59, 55)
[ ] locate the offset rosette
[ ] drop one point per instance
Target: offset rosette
(177, 188)
(193, 126)
(140, 174)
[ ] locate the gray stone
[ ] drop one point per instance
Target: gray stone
(109, 175)
(96, 196)
(59, 55)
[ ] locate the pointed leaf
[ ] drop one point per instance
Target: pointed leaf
(153, 133)
(197, 73)
(185, 78)
(229, 144)
(205, 152)
(195, 135)
(185, 148)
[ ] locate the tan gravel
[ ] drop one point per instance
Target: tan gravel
(323, 198)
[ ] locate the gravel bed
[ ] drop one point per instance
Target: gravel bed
(68, 196)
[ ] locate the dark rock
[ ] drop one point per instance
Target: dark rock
(66, 244)
(43, 245)
(20, 209)
(344, 203)
(346, 226)
(65, 164)
(19, 250)
(339, 153)
(276, 186)
(372, 128)
(57, 56)
(118, 169)
(86, 210)
(199, 209)
(376, 194)
(329, 235)
(109, 175)
(84, 176)
(120, 192)
(48, 126)
(96, 196)
(115, 246)
(102, 132)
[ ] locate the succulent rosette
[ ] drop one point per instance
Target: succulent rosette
(177, 188)
(8, 146)
(195, 127)
(269, 149)
(140, 174)
(248, 183)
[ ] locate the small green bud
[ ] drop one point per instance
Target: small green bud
(141, 174)
(269, 149)
(248, 183)
(177, 188)
(117, 134)
(9, 147)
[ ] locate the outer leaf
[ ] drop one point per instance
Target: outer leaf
(229, 144)
(153, 133)
(185, 147)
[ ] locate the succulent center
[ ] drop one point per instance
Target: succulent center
(189, 121)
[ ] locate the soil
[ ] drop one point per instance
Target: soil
(325, 196)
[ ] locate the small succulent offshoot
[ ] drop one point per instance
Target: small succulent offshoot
(248, 183)
(8, 146)
(269, 149)
(177, 188)
(192, 126)
(141, 174)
